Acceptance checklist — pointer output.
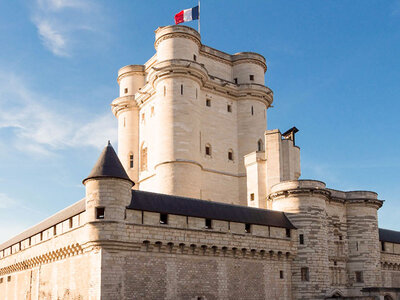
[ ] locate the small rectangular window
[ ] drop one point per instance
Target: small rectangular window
(194, 57)
(235, 80)
(281, 274)
(247, 228)
(70, 223)
(55, 230)
(251, 77)
(359, 277)
(208, 224)
(100, 212)
(126, 91)
(288, 232)
(229, 108)
(208, 102)
(252, 197)
(230, 155)
(305, 276)
(163, 218)
(9, 278)
(301, 239)
(383, 246)
(131, 161)
(208, 150)
(181, 89)
(1, 280)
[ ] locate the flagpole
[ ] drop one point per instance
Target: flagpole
(198, 24)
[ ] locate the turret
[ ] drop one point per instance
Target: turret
(108, 192)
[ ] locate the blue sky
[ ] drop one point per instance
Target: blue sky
(334, 67)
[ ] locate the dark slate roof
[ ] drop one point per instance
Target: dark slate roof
(108, 166)
(391, 236)
(61, 216)
(175, 205)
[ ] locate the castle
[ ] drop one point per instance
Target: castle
(202, 202)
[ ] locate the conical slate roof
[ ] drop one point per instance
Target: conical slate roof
(108, 166)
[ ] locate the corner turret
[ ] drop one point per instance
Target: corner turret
(108, 189)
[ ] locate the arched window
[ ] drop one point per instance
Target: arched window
(208, 149)
(143, 158)
(387, 297)
(260, 145)
(230, 154)
(131, 160)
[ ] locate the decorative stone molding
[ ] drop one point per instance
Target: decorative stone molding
(177, 35)
(52, 256)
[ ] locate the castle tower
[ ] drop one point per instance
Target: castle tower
(108, 192)
(363, 264)
(304, 202)
(198, 112)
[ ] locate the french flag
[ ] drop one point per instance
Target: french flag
(186, 15)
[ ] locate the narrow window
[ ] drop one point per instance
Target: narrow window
(194, 57)
(126, 91)
(1, 280)
(301, 239)
(357, 246)
(247, 228)
(251, 77)
(340, 237)
(230, 155)
(41, 236)
(305, 276)
(260, 145)
(181, 89)
(29, 241)
(9, 278)
(208, 149)
(359, 276)
(235, 80)
(100, 212)
(165, 90)
(55, 230)
(229, 108)
(163, 218)
(143, 158)
(335, 263)
(281, 274)
(196, 94)
(288, 232)
(131, 161)
(252, 196)
(152, 111)
(252, 110)
(208, 102)
(143, 117)
(383, 246)
(124, 122)
(208, 224)
(70, 223)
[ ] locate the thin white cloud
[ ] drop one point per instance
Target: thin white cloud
(42, 129)
(60, 23)
(52, 39)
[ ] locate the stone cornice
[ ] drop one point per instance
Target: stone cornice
(48, 257)
(300, 191)
(177, 35)
(123, 103)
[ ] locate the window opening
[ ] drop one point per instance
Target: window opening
(143, 160)
(230, 155)
(235, 80)
(100, 212)
(288, 232)
(163, 218)
(208, 102)
(251, 77)
(305, 276)
(359, 276)
(252, 110)
(301, 239)
(229, 108)
(260, 145)
(252, 197)
(281, 274)
(165, 90)
(131, 161)
(383, 246)
(194, 57)
(247, 228)
(208, 224)
(126, 91)
(208, 150)
(181, 89)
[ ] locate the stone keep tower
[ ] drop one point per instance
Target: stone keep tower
(188, 116)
